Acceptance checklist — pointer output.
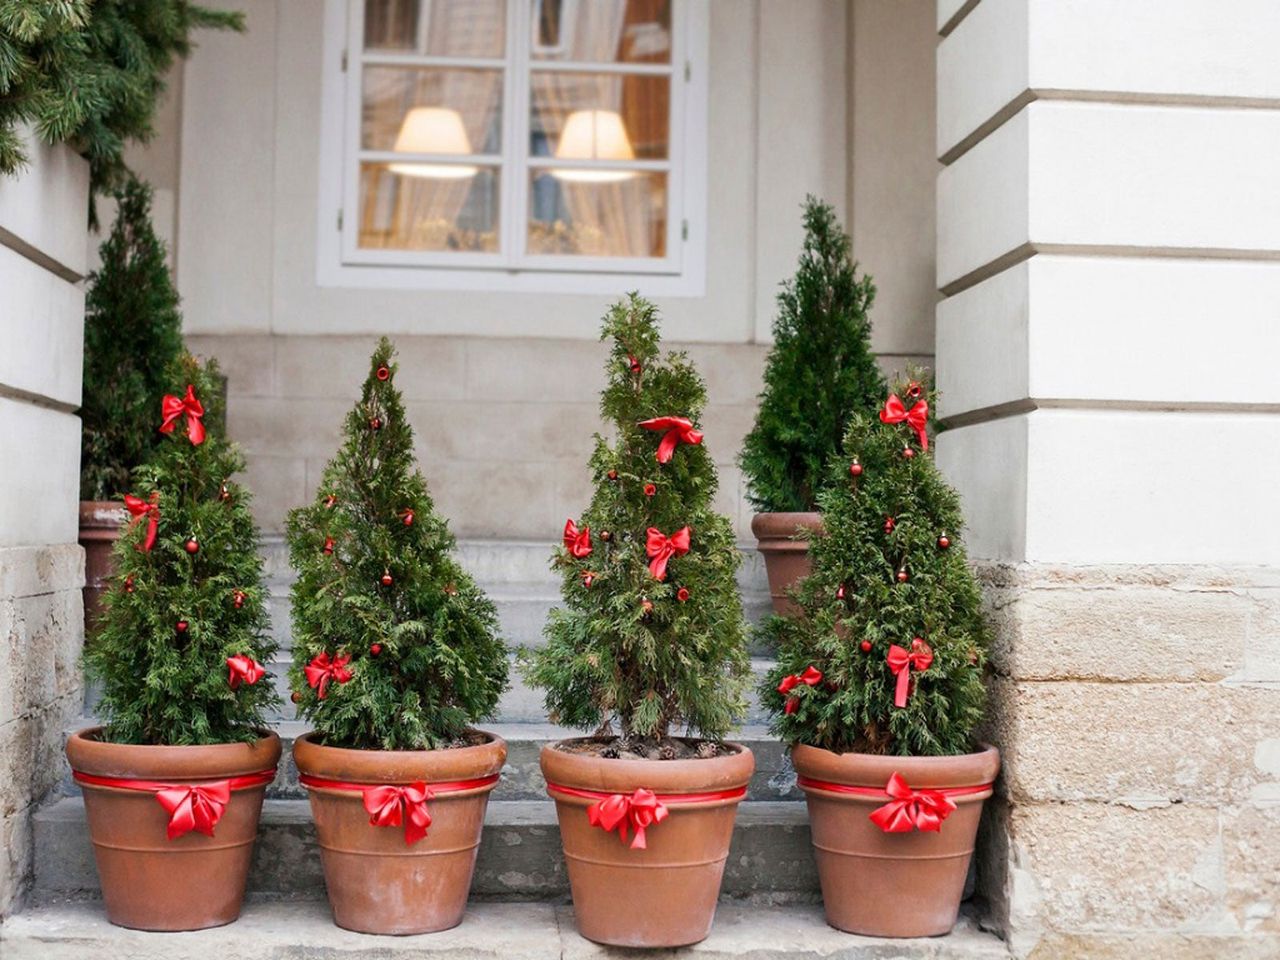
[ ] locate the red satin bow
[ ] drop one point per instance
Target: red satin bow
(244, 668)
(662, 548)
(636, 812)
(151, 510)
(812, 676)
(391, 805)
(911, 809)
(577, 542)
(322, 669)
(917, 417)
(174, 407)
(194, 807)
(679, 430)
(901, 661)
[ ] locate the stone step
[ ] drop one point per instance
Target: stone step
(490, 931)
(774, 778)
(520, 856)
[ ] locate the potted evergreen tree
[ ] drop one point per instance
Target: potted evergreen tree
(819, 372)
(395, 656)
(132, 343)
(879, 684)
(650, 638)
(174, 779)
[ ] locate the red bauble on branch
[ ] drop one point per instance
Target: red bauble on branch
(192, 545)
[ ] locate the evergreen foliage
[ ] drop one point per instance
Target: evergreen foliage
(898, 517)
(682, 661)
(90, 72)
(819, 372)
(132, 343)
(394, 645)
(173, 617)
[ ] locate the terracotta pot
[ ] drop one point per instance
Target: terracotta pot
(100, 525)
(664, 895)
(786, 559)
(150, 882)
(892, 884)
(377, 882)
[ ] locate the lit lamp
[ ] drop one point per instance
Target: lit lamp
(594, 135)
(433, 130)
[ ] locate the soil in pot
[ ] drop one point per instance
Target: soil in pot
(399, 830)
(173, 828)
(907, 880)
(645, 841)
(100, 522)
(786, 559)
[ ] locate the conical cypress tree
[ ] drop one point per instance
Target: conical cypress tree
(394, 645)
(888, 652)
(819, 372)
(132, 342)
(183, 639)
(651, 635)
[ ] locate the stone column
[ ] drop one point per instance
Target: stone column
(1108, 352)
(43, 217)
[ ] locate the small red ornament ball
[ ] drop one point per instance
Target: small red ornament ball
(375, 649)
(889, 524)
(328, 545)
(588, 578)
(855, 469)
(866, 646)
(944, 542)
(386, 578)
(682, 594)
(902, 576)
(383, 373)
(330, 501)
(128, 584)
(908, 453)
(181, 626)
(633, 363)
(407, 518)
(237, 598)
(612, 475)
(375, 423)
(192, 545)
(914, 390)
(646, 606)
(224, 494)
(840, 592)
(650, 489)
(606, 536)
(451, 589)
(917, 643)
(296, 697)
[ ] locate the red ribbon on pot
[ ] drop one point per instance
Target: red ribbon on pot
(901, 661)
(678, 430)
(172, 408)
(577, 542)
(139, 508)
(662, 548)
(639, 810)
(811, 677)
(196, 806)
(907, 809)
(324, 668)
(244, 669)
(391, 804)
(917, 417)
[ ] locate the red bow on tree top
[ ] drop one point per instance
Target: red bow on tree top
(662, 548)
(679, 430)
(194, 807)
(577, 542)
(322, 669)
(244, 669)
(812, 676)
(901, 661)
(389, 806)
(636, 812)
(174, 407)
(138, 508)
(911, 809)
(917, 417)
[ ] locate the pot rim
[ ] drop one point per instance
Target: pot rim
(87, 753)
(784, 525)
(693, 775)
(374, 767)
(873, 770)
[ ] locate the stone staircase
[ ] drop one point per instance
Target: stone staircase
(770, 889)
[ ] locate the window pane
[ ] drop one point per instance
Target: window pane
(428, 207)
(625, 216)
(432, 110)
(442, 28)
(602, 31)
(596, 116)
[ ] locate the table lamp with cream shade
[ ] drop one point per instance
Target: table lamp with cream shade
(437, 130)
(594, 135)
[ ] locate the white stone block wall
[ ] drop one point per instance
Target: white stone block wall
(1109, 256)
(43, 217)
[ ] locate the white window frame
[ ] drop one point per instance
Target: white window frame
(682, 272)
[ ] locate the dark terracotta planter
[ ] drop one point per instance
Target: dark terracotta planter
(100, 526)
(786, 559)
(150, 882)
(664, 895)
(377, 882)
(892, 884)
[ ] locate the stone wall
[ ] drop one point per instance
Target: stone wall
(42, 258)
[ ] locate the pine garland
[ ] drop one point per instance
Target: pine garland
(652, 654)
(173, 616)
(889, 571)
(395, 647)
(820, 371)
